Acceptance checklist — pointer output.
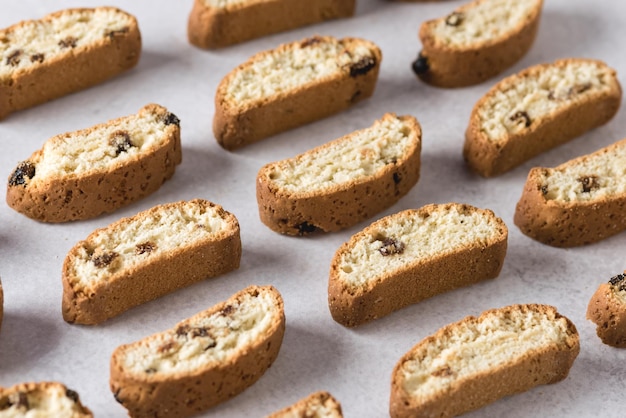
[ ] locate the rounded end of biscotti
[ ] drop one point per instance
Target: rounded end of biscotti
(48, 398)
(607, 310)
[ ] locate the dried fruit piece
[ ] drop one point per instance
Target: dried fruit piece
(69, 42)
(391, 246)
(146, 247)
(103, 259)
(420, 65)
(37, 58)
(455, 19)
(25, 170)
(306, 228)
(14, 58)
(521, 116)
(589, 183)
(171, 119)
(363, 66)
(120, 140)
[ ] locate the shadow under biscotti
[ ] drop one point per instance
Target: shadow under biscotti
(26, 340)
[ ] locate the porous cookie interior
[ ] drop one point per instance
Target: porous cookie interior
(47, 401)
(484, 21)
(140, 238)
(222, 4)
(597, 176)
(204, 340)
(475, 346)
(409, 237)
(36, 41)
(520, 102)
(104, 146)
(321, 406)
(352, 158)
(297, 65)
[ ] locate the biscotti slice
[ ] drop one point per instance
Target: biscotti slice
(343, 182)
(476, 41)
(219, 23)
(538, 109)
(41, 399)
(578, 202)
(316, 405)
(80, 175)
(64, 52)
(413, 255)
(204, 360)
(476, 361)
(151, 254)
(607, 309)
(292, 85)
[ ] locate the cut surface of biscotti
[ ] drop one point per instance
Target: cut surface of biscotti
(607, 309)
(41, 399)
(80, 175)
(476, 361)
(316, 405)
(151, 254)
(578, 202)
(343, 182)
(413, 255)
(219, 23)
(202, 361)
(292, 85)
(64, 52)
(538, 109)
(476, 41)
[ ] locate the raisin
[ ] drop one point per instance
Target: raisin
(578, 89)
(420, 65)
(521, 116)
(69, 42)
(551, 95)
(227, 310)
(37, 58)
(114, 33)
(363, 66)
(589, 183)
(544, 189)
(146, 247)
(14, 58)
(310, 41)
(166, 347)
(397, 178)
(306, 228)
(443, 372)
(120, 140)
(182, 330)
(391, 246)
(103, 259)
(617, 279)
(72, 395)
(150, 370)
(116, 395)
(171, 119)
(455, 19)
(199, 332)
(212, 345)
(19, 399)
(25, 170)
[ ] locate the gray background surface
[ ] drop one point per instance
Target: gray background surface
(317, 354)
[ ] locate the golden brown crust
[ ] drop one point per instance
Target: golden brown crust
(490, 158)
(538, 367)
(186, 394)
(300, 408)
(215, 27)
(423, 279)
(464, 66)
(83, 67)
(155, 277)
(39, 390)
(235, 126)
(79, 197)
(343, 205)
(608, 312)
(562, 223)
